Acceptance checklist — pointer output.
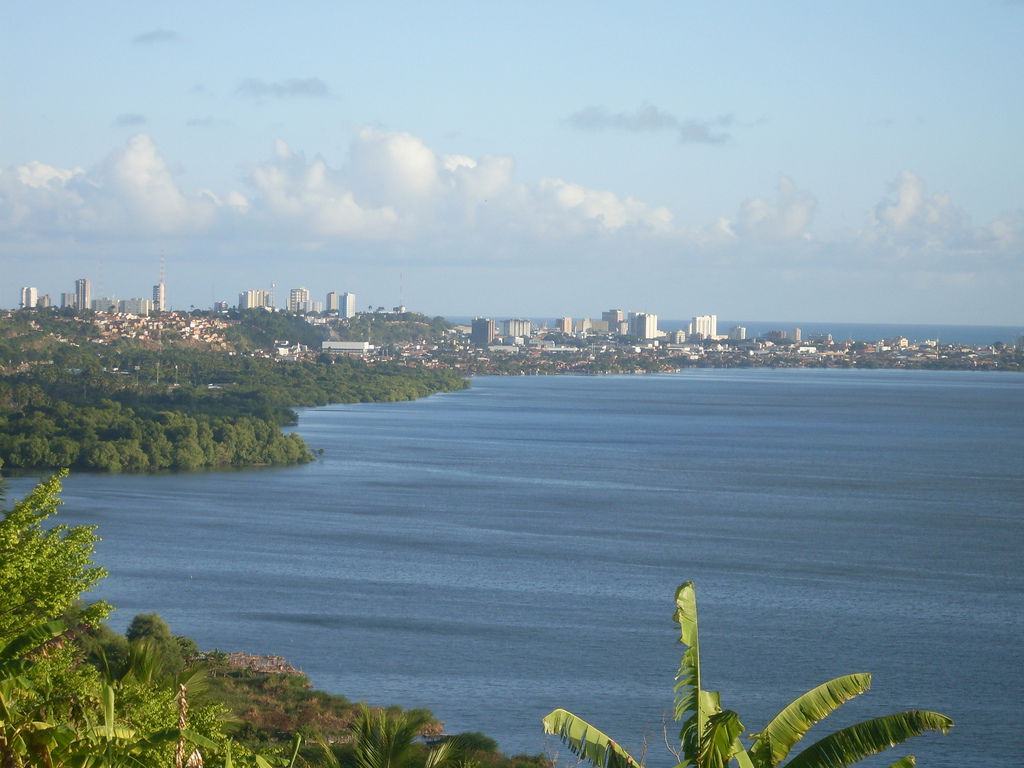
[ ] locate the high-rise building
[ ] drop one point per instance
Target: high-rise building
(333, 301)
(159, 297)
(737, 333)
(564, 324)
(29, 297)
(348, 305)
(43, 302)
(643, 325)
(253, 299)
(83, 294)
(483, 331)
(104, 304)
(67, 300)
(797, 335)
(613, 317)
(298, 300)
(516, 326)
(704, 326)
(137, 306)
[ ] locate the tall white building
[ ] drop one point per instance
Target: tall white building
(67, 300)
(29, 297)
(83, 294)
(298, 300)
(348, 305)
(253, 299)
(706, 326)
(159, 297)
(643, 325)
(333, 301)
(737, 333)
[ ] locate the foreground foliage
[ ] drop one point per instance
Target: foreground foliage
(711, 737)
(75, 694)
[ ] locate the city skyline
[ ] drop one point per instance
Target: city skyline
(841, 162)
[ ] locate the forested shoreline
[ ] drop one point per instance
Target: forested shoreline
(70, 402)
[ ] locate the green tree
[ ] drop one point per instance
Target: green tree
(710, 736)
(43, 570)
(151, 628)
(383, 739)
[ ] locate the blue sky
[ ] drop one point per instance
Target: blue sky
(845, 161)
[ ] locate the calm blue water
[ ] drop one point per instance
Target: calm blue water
(495, 553)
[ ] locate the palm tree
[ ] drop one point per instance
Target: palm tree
(384, 740)
(710, 737)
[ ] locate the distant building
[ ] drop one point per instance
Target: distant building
(643, 325)
(517, 327)
(776, 335)
(586, 324)
(29, 297)
(298, 300)
(347, 347)
(253, 299)
(564, 324)
(738, 333)
(141, 307)
(43, 302)
(83, 294)
(797, 335)
(333, 303)
(159, 297)
(348, 305)
(67, 300)
(220, 306)
(703, 326)
(482, 331)
(613, 317)
(104, 304)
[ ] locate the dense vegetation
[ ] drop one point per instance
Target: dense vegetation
(127, 408)
(381, 329)
(75, 693)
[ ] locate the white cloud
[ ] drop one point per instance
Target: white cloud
(911, 224)
(135, 183)
(759, 220)
(393, 188)
(918, 219)
(131, 192)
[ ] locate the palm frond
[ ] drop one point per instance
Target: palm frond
(862, 740)
(784, 730)
(32, 639)
(587, 741)
(721, 740)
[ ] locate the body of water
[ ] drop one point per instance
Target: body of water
(498, 552)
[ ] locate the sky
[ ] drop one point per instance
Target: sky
(820, 160)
